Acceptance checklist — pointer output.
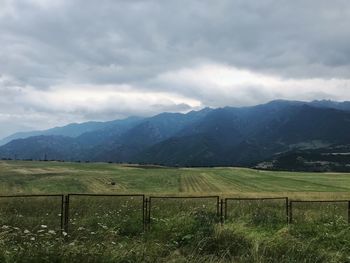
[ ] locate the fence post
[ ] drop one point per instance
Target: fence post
(349, 212)
(225, 216)
(149, 213)
(62, 213)
(66, 214)
(145, 218)
(290, 212)
(218, 206)
(221, 212)
(287, 210)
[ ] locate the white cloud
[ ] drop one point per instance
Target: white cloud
(101, 99)
(224, 85)
(59, 105)
(64, 61)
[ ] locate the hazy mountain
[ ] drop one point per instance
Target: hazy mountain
(210, 137)
(124, 147)
(70, 130)
(345, 105)
(41, 148)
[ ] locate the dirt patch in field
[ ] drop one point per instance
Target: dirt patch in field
(330, 173)
(146, 166)
(102, 185)
(4, 165)
(41, 171)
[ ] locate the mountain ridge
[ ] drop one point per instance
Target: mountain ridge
(225, 136)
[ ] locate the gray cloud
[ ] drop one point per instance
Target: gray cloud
(51, 47)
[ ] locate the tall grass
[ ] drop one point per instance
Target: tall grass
(108, 229)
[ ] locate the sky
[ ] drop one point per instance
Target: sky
(78, 60)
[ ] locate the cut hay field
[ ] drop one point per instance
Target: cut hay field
(22, 177)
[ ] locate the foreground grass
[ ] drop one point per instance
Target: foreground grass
(112, 230)
(190, 242)
(109, 230)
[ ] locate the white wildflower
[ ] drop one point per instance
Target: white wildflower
(52, 232)
(103, 226)
(26, 231)
(43, 226)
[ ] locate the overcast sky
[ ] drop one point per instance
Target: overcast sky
(76, 60)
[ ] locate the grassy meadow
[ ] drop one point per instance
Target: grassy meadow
(21, 177)
(112, 229)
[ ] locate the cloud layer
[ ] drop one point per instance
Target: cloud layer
(64, 61)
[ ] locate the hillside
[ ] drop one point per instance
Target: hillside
(226, 136)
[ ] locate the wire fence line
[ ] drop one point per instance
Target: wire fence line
(136, 212)
(320, 210)
(24, 210)
(273, 209)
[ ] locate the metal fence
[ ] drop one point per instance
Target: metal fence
(163, 207)
(319, 210)
(259, 210)
(134, 212)
(102, 211)
(32, 211)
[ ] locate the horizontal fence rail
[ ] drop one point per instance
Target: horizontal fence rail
(264, 208)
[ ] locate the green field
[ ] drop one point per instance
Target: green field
(55, 177)
(113, 229)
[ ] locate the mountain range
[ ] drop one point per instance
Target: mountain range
(262, 136)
